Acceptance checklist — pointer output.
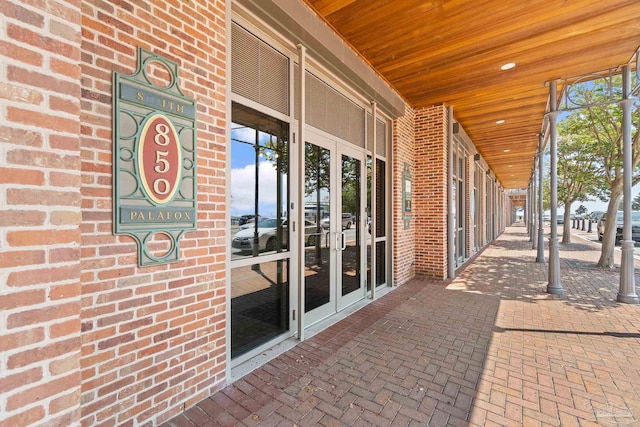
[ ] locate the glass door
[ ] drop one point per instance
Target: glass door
(334, 257)
(349, 230)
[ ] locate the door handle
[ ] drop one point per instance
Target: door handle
(341, 241)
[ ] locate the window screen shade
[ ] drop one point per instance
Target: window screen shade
(258, 71)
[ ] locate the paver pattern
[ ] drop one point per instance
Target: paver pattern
(489, 348)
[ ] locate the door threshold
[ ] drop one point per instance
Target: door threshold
(241, 369)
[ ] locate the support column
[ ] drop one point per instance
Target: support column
(627, 292)
(451, 269)
(300, 94)
(540, 255)
(554, 286)
(534, 227)
(529, 198)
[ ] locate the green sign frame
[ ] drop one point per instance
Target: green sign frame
(407, 196)
(154, 159)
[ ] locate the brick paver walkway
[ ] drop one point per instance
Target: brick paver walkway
(489, 348)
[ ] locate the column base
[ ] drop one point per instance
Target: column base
(628, 299)
(554, 286)
(627, 293)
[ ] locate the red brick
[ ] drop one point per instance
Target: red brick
(39, 354)
(42, 120)
(44, 275)
(21, 339)
(20, 258)
(70, 363)
(37, 40)
(42, 315)
(65, 402)
(21, 176)
(65, 217)
(57, 255)
(28, 417)
(22, 299)
(39, 393)
(41, 80)
(20, 94)
(10, 382)
(43, 159)
(63, 142)
(17, 218)
(42, 237)
(19, 53)
(24, 196)
(68, 328)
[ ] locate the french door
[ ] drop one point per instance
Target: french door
(335, 257)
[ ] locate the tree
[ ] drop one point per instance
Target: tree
(635, 203)
(582, 210)
(599, 126)
(576, 172)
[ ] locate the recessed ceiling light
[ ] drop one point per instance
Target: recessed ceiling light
(506, 150)
(499, 122)
(508, 66)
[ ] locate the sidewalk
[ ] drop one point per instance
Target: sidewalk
(489, 348)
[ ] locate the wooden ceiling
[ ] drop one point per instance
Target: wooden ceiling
(451, 51)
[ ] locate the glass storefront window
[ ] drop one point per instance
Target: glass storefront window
(259, 185)
(259, 304)
(259, 182)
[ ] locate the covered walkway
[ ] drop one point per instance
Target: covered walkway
(489, 348)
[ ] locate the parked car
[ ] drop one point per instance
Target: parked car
(245, 219)
(635, 226)
(347, 220)
(267, 235)
(560, 219)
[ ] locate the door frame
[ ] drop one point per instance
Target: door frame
(337, 302)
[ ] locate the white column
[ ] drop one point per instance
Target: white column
(554, 286)
(627, 292)
(302, 59)
(540, 254)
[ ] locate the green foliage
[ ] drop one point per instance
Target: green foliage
(599, 128)
(577, 169)
(635, 203)
(582, 209)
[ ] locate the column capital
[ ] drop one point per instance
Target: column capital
(552, 115)
(627, 102)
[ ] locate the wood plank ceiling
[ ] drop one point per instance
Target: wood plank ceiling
(451, 51)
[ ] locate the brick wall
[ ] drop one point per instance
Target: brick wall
(430, 191)
(39, 213)
(403, 240)
(153, 338)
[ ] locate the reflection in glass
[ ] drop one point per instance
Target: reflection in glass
(259, 305)
(368, 234)
(258, 183)
(381, 198)
(381, 265)
(317, 207)
(351, 206)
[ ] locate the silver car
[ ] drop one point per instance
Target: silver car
(267, 229)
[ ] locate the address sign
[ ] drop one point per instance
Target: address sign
(154, 160)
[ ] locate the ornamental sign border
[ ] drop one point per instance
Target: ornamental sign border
(154, 160)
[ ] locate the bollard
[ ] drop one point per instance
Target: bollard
(589, 228)
(573, 223)
(583, 227)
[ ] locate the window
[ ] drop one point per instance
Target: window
(259, 198)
